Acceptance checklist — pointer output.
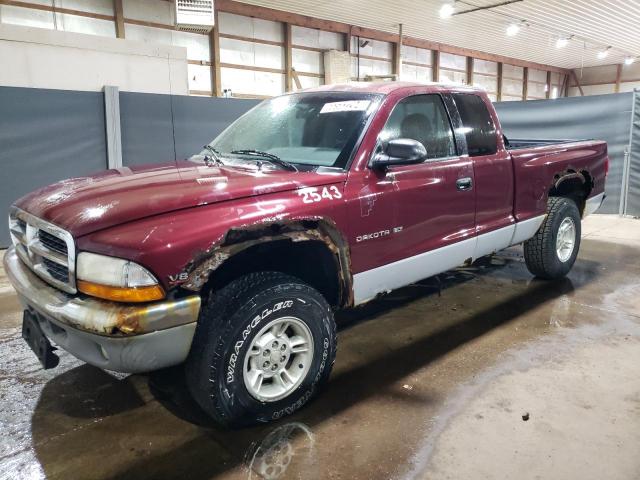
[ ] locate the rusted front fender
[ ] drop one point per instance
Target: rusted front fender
(239, 239)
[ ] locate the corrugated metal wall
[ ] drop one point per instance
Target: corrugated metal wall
(51, 135)
(631, 204)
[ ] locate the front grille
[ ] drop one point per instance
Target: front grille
(45, 248)
(57, 271)
(52, 242)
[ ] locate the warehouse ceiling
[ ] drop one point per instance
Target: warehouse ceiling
(589, 25)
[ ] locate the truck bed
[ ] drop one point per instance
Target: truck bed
(520, 143)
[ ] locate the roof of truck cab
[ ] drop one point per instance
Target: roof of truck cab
(386, 88)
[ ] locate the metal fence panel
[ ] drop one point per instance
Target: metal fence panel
(633, 185)
(146, 128)
(46, 136)
(198, 120)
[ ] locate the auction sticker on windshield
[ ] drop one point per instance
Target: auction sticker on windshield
(346, 106)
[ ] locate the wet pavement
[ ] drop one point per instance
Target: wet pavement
(483, 372)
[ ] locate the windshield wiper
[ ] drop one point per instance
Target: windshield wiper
(215, 155)
(270, 157)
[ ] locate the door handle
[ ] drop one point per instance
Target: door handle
(464, 183)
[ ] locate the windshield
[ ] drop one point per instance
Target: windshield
(317, 129)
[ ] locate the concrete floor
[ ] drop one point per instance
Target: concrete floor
(426, 385)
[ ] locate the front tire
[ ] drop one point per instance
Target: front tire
(552, 251)
(263, 346)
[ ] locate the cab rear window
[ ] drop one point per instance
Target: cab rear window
(479, 128)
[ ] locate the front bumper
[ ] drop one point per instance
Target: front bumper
(110, 335)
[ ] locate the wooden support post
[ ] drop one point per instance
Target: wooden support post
(397, 55)
(469, 70)
(618, 78)
(288, 57)
(575, 79)
(347, 41)
(548, 95)
(525, 84)
(296, 78)
(564, 90)
(499, 94)
(435, 65)
(119, 18)
(214, 56)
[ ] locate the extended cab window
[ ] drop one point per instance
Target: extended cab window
(422, 118)
(479, 129)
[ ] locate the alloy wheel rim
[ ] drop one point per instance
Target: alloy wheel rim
(278, 359)
(566, 239)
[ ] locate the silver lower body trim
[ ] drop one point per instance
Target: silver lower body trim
(367, 285)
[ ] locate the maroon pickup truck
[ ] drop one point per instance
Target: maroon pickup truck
(234, 260)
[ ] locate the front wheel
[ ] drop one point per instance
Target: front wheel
(263, 346)
(552, 251)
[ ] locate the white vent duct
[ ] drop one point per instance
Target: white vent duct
(195, 15)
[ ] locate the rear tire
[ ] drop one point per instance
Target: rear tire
(552, 251)
(235, 370)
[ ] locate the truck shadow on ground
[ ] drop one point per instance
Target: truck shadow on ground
(212, 451)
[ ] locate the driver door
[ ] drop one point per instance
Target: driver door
(413, 221)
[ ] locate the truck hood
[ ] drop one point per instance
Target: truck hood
(88, 204)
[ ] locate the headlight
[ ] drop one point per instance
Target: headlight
(115, 279)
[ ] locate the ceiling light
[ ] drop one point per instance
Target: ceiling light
(562, 42)
(629, 60)
(513, 29)
(447, 10)
(602, 54)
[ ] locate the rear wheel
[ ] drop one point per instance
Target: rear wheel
(553, 250)
(263, 346)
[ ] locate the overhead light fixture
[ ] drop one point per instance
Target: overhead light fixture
(602, 54)
(447, 10)
(562, 42)
(629, 60)
(513, 29)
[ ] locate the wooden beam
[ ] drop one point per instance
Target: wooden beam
(265, 13)
(618, 78)
(525, 84)
(254, 68)
(288, 57)
(232, 6)
(575, 79)
(564, 89)
(296, 79)
(347, 41)
(397, 55)
(435, 65)
(469, 71)
(371, 57)
(499, 94)
(119, 18)
(238, 8)
(49, 8)
(548, 95)
(252, 40)
(214, 56)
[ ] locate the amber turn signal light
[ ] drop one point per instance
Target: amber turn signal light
(121, 294)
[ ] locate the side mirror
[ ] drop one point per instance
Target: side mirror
(401, 151)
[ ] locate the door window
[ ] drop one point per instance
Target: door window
(422, 118)
(479, 129)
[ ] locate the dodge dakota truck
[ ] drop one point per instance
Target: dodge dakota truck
(233, 261)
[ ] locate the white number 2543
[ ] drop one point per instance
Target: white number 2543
(313, 194)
